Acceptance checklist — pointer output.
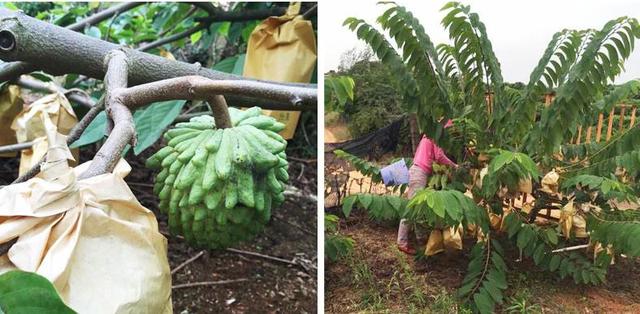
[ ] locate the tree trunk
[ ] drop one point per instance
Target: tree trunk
(414, 132)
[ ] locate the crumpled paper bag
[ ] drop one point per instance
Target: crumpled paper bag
(440, 239)
(91, 238)
(10, 105)
(282, 49)
(572, 221)
(550, 182)
(28, 126)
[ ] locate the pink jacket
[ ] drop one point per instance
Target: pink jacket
(428, 153)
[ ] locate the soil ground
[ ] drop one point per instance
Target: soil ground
(377, 278)
(271, 287)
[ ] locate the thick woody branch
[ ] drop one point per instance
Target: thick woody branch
(200, 88)
(61, 51)
(13, 70)
(123, 132)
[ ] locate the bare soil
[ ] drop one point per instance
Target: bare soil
(348, 292)
(271, 287)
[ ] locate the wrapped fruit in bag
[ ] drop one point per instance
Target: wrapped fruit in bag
(91, 238)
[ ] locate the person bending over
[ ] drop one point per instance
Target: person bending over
(427, 153)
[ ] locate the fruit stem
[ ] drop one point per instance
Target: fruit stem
(220, 110)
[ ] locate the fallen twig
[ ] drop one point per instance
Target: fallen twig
(208, 283)
(269, 257)
(571, 248)
(185, 263)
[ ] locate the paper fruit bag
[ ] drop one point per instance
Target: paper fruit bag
(28, 126)
(91, 238)
(10, 105)
(282, 49)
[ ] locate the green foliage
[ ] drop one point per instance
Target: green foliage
(446, 207)
(538, 242)
(365, 167)
(507, 169)
(610, 188)
(622, 235)
(336, 246)
(27, 293)
(375, 103)
(486, 277)
(150, 123)
(379, 207)
(233, 65)
(599, 60)
(338, 90)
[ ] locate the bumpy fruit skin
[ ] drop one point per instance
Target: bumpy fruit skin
(218, 186)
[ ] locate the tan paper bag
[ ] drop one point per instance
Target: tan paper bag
(91, 238)
(440, 239)
(28, 126)
(282, 49)
(10, 105)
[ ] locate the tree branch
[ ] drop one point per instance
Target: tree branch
(15, 147)
(236, 16)
(14, 70)
(61, 51)
(311, 12)
(50, 88)
(173, 37)
(200, 88)
(103, 15)
(124, 131)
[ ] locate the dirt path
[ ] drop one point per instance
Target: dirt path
(379, 279)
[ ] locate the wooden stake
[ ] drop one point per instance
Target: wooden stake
(588, 140)
(579, 135)
(633, 117)
(621, 122)
(610, 125)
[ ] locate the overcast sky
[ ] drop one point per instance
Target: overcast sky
(519, 30)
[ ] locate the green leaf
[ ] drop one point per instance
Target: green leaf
(552, 236)
(238, 68)
(483, 303)
(195, 37)
(226, 65)
(24, 292)
(555, 262)
(223, 29)
(365, 200)
(10, 6)
(152, 120)
(347, 204)
(94, 132)
(150, 123)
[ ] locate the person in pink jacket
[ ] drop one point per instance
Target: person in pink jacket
(426, 154)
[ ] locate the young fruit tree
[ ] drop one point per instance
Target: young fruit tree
(222, 169)
(505, 138)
